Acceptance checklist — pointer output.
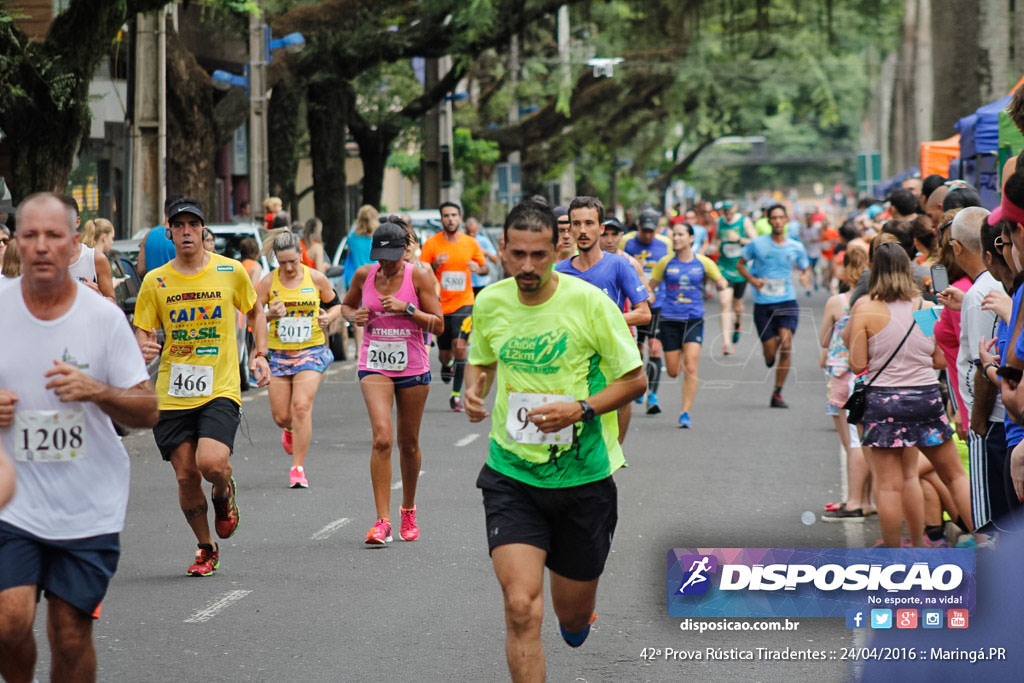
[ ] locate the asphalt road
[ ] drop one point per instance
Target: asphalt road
(299, 597)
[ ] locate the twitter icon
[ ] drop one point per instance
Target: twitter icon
(881, 618)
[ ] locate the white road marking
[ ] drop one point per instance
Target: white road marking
(398, 484)
(326, 532)
(211, 610)
(466, 440)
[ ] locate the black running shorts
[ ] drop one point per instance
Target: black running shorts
(453, 324)
(574, 525)
(216, 420)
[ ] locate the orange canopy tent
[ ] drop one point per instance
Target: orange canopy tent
(936, 155)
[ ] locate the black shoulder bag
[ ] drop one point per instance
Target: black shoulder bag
(858, 400)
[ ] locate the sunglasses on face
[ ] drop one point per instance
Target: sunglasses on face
(999, 242)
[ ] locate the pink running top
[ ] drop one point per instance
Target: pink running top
(912, 364)
(392, 342)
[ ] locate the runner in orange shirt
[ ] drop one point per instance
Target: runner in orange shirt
(454, 256)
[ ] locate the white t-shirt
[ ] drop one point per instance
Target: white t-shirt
(975, 325)
(85, 267)
(84, 494)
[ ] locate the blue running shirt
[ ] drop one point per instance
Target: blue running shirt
(613, 275)
(775, 264)
(684, 285)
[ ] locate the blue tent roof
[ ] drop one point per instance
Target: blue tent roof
(979, 132)
(987, 136)
(967, 127)
(883, 189)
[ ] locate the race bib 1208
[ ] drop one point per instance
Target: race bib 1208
(49, 435)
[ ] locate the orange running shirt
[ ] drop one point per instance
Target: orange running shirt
(456, 286)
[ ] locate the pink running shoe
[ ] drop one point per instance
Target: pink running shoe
(409, 531)
(297, 478)
(286, 440)
(380, 533)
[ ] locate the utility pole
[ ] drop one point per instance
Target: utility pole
(257, 112)
(430, 164)
(567, 183)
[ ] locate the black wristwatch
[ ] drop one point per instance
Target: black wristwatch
(410, 309)
(588, 412)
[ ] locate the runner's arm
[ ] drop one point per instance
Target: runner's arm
(479, 379)
(352, 308)
(640, 314)
(828, 321)
(478, 260)
(140, 260)
(133, 406)
(741, 268)
(558, 416)
(148, 344)
(104, 277)
(327, 295)
(7, 478)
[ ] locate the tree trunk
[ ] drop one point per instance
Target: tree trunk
(283, 138)
(327, 114)
(191, 127)
(374, 150)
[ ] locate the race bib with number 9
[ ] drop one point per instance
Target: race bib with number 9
(49, 435)
(392, 356)
(453, 280)
(295, 330)
(190, 381)
(522, 430)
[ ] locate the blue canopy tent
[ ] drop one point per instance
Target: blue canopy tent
(979, 149)
(883, 188)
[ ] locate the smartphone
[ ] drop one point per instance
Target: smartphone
(940, 278)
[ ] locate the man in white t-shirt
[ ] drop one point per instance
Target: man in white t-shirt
(986, 443)
(78, 367)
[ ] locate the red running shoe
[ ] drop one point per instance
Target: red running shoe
(286, 440)
(207, 561)
(225, 513)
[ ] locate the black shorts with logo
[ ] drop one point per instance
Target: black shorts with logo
(574, 525)
(216, 420)
(453, 328)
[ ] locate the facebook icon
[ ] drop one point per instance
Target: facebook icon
(854, 618)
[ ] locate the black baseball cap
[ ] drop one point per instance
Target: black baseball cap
(389, 242)
(185, 206)
(613, 224)
(561, 211)
(648, 220)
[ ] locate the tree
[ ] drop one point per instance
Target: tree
(44, 87)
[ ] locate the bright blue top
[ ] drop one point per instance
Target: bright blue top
(775, 264)
(648, 255)
(488, 247)
(613, 275)
(358, 255)
(684, 285)
(1014, 432)
(159, 248)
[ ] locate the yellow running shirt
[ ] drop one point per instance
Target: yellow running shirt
(199, 361)
(300, 328)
